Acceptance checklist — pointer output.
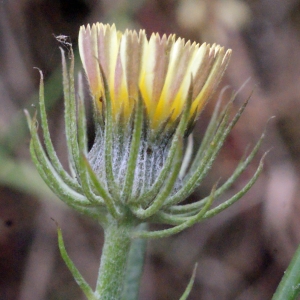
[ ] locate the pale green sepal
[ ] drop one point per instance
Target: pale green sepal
(186, 224)
(108, 137)
(244, 163)
(238, 195)
(215, 146)
(84, 286)
(82, 130)
(70, 113)
(162, 217)
(71, 198)
(194, 179)
(48, 143)
(111, 206)
(187, 156)
(209, 132)
(53, 180)
(86, 186)
(82, 170)
(176, 213)
(240, 168)
(190, 285)
(42, 163)
(134, 149)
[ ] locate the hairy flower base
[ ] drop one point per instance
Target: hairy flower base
(149, 162)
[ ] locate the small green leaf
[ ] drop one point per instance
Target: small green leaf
(190, 285)
(87, 290)
(289, 286)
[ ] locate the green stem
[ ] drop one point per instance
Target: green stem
(112, 271)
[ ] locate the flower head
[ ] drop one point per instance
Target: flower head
(147, 95)
(161, 68)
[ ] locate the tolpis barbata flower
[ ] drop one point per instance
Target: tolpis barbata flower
(147, 95)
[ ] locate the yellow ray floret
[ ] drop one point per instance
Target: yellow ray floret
(161, 68)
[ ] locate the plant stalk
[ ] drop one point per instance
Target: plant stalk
(115, 252)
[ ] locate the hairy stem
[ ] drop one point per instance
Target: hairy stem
(115, 252)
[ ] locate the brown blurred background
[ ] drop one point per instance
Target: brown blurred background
(242, 252)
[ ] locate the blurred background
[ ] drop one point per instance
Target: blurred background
(241, 253)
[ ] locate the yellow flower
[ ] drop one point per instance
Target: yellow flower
(161, 68)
